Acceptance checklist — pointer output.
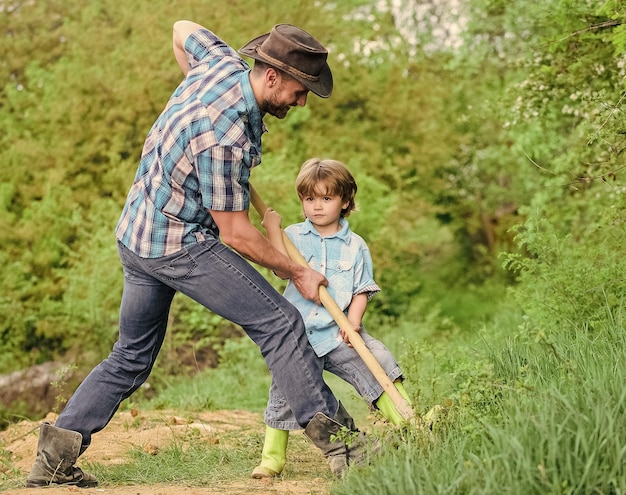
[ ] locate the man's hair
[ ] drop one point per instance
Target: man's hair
(260, 67)
(327, 177)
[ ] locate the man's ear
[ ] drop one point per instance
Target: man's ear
(272, 78)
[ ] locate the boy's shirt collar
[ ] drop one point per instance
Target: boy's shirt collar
(343, 233)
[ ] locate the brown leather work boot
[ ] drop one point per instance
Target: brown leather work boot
(348, 446)
(57, 451)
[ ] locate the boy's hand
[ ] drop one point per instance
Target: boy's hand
(344, 334)
(271, 220)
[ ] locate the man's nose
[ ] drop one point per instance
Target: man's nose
(301, 101)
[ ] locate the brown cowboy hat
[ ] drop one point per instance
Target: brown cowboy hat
(295, 52)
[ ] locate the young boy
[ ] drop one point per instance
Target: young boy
(327, 189)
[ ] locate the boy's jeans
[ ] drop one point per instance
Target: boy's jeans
(222, 281)
(345, 363)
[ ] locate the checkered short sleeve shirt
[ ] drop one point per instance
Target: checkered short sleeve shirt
(197, 156)
(344, 259)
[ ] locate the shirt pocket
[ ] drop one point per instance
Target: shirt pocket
(339, 275)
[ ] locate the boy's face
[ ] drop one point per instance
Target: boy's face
(323, 210)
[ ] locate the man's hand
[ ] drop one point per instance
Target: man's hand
(308, 283)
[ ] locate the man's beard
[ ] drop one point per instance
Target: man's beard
(271, 106)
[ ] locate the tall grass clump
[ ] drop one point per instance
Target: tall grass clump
(564, 414)
(555, 425)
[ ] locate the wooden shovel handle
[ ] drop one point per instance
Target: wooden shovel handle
(402, 405)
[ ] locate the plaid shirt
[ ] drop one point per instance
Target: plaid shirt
(345, 260)
(197, 156)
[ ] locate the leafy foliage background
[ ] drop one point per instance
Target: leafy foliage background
(504, 148)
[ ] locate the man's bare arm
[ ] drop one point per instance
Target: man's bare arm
(237, 231)
(181, 31)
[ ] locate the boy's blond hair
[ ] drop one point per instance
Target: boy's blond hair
(327, 177)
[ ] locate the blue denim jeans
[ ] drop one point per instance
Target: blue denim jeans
(222, 281)
(346, 363)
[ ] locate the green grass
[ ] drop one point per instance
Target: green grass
(192, 461)
(545, 416)
(241, 381)
(530, 411)
(189, 462)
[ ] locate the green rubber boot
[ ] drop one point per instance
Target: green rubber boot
(388, 409)
(274, 454)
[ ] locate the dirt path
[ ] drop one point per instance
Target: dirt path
(252, 487)
(152, 431)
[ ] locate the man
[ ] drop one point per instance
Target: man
(191, 188)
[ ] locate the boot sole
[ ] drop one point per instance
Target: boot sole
(79, 484)
(262, 472)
